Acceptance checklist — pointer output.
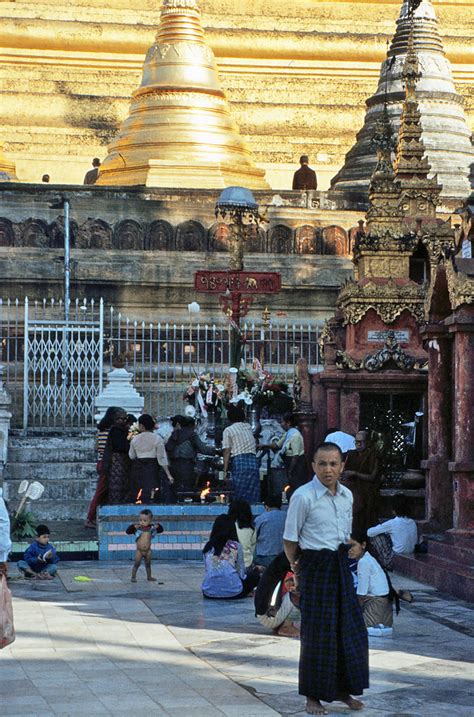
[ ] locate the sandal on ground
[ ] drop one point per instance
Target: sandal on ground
(405, 595)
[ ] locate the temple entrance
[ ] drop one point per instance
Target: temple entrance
(400, 447)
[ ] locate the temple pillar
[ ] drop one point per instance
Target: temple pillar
(439, 486)
(350, 411)
(462, 465)
(333, 408)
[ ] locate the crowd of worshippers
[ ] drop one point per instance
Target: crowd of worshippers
(136, 464)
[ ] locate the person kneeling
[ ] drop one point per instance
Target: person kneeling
(374, 590)
(226, 577)
(276, 599)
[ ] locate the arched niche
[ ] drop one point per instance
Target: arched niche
(35, 233)
(7, 232)
(159, 236)
(218, 237)
(128, 236)
(335, 241)
(308, 240)
(94, 234)
(190, 236)
(280, 239)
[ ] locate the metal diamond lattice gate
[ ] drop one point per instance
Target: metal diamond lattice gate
(63, 365)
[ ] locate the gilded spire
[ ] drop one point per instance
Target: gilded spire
(7, 169)
(180, 132)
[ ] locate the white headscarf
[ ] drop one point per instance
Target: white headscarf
(5, 542)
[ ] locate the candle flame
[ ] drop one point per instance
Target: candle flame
(139, 498)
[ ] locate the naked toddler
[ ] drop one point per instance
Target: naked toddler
(144, 531)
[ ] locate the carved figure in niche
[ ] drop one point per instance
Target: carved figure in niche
(159, 236)
(281, 240)
(35, 233)
(308, 240)
(218, 237)
(7, 233)
(56, 233)
(255, 239)
(95, 234)
(128, 235)
(190, 236)
(335, 241)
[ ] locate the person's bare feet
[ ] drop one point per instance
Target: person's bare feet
(151, 580)
(287, 629)
(351, 702)
(133, 580)
(314, 707)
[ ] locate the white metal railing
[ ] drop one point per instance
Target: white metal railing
(66, 362)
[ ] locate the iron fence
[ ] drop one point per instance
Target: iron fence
(163, 357)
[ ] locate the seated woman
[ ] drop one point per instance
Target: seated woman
(276, 599)
(226, 577)
(374, 589)
(241, 512)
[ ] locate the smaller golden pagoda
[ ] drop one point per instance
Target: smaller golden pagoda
(7, 168)
(180, 133)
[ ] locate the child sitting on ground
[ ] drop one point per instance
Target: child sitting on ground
(144, 531)
(40, 559)
(374, 588)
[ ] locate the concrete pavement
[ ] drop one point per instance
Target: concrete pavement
(107, 647)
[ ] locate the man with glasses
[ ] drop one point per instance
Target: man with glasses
(361, 476)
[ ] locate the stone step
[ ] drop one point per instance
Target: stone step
(446, 575)
(51, 472)
(51, 454)
(46, 510)
(461, 552)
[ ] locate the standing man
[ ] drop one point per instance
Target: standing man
(291, 453)
(361, 476)
(305, 177)
(334, 661)
(92, 175)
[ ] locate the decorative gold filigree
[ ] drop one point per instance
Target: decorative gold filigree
(388, 300)
(345, 361)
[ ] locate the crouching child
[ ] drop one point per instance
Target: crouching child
(40, 559)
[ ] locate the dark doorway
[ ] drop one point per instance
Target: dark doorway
(383, 415)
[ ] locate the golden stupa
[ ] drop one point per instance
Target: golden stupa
(7, 169)
(180, 132)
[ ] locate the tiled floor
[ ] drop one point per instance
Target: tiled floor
(109, 647)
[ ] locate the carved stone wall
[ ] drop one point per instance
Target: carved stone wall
(160, 235)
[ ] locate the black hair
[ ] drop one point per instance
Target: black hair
(96, 162)
(147, 422)
(42, 529)
(360, 536)
(401, 506)
(223, 530)
(327, 446)
(235, 414)
(147, 512)
(290, 418)
(241, 513)
(273, 501)
(110, 417)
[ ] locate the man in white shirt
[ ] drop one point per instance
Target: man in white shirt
(334, 646)
(397, 536)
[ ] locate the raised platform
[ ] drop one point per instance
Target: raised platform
(448, 566)
(186, 529)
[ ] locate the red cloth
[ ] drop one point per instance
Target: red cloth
(100, 495)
